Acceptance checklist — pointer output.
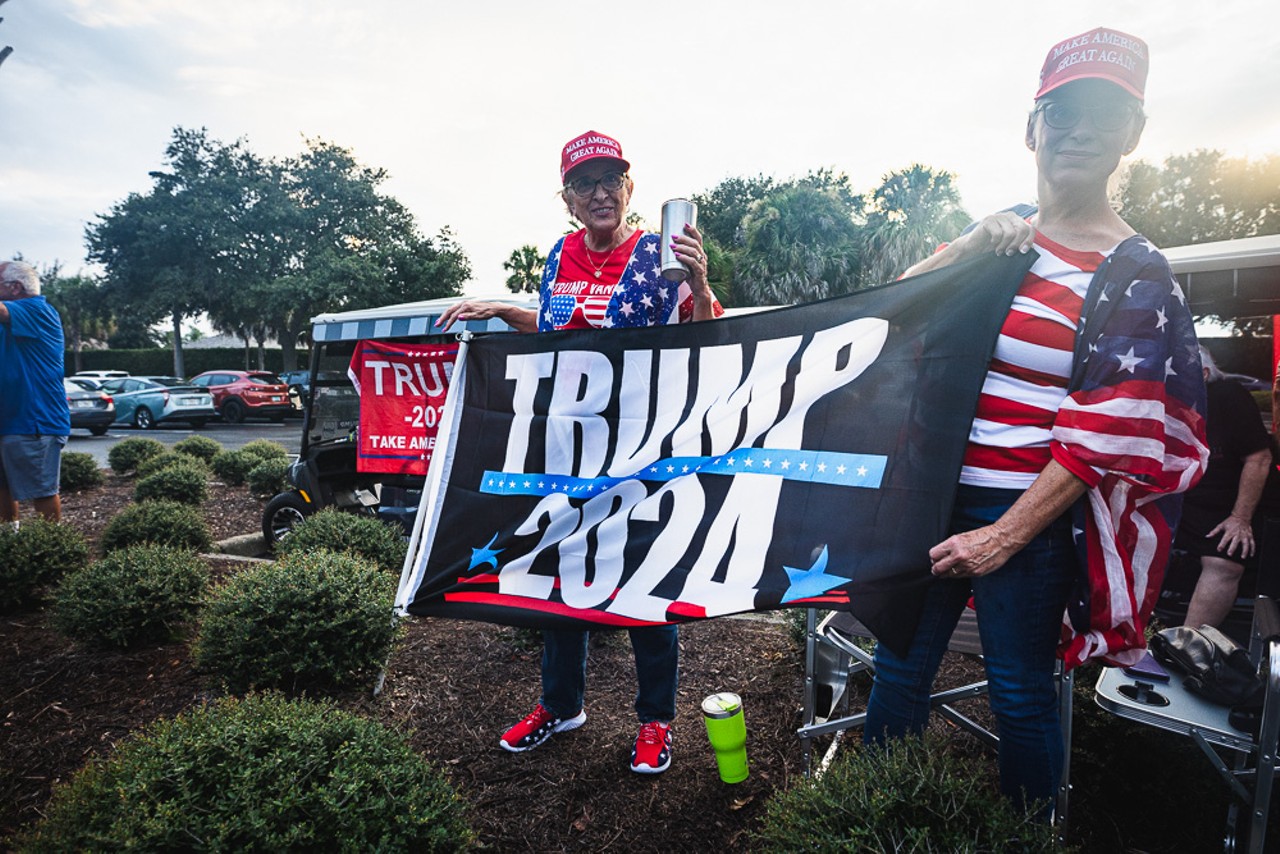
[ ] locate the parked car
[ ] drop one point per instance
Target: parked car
(145, 402)
(299, 383)
(84, 383)
(240, 394)
(299, 380)
(90, 409)
(101, 375)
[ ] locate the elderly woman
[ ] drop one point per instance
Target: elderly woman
(603, 276)
(1091, 407)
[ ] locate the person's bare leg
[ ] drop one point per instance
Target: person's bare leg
(1215, 592)
(8, 507)
(50, 508)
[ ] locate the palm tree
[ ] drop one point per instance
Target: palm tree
(911, 213)
(79, 301)
(525, 266)
(800, 243)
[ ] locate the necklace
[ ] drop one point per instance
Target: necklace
(599, 268)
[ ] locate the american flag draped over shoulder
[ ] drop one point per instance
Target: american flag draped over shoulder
(1132, 427)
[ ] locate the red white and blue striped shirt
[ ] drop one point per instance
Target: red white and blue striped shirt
(1027, 379)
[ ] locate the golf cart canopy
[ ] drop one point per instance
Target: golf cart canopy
(1230, 278)
(409, 319)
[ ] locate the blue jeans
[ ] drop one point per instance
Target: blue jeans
(564, 671)
(1020, 609)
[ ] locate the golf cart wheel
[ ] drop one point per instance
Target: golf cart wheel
(233, 412)
(282, 514)
(143, 419)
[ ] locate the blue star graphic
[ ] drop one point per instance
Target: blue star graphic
(813, 581)
(488, 554)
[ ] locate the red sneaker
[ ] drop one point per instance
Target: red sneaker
(652, 753)
(537, 728)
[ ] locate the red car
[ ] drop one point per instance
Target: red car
(241, 394)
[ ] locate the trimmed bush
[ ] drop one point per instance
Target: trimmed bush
(79, 471)
(315, 621)
(268, 477)
(38, 553)
(258, 774)
(131, 597)
(339, 531)
(187, 484)
(124, 456)
(165, 523)
(232, 467)
(265, 449)
(201, 447)
(910, 795)
(168, 459)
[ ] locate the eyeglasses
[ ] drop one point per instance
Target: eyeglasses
(1063, 115)
(584, 186)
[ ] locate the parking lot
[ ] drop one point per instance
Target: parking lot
(230, 436)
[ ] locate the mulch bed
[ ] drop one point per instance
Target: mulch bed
(452, 687)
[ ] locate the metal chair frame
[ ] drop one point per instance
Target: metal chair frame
(832, 656)
(1250, 772)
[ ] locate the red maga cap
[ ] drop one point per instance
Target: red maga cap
(1102, 53)
(587, 147)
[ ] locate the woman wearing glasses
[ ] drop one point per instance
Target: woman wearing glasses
(606, 275)
(1089, 422)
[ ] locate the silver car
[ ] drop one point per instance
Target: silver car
(145, 402)
(92, 410)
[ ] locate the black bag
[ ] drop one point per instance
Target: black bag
(1217, 668)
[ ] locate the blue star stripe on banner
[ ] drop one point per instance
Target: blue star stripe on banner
(838, 469)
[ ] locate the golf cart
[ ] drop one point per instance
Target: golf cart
(328, 470)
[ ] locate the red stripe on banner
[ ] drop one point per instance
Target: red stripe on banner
(482, 578)
(542, 606)
(687, 611)
(825, 599)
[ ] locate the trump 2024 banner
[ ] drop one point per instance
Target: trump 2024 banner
(402, 390)
(805, 456)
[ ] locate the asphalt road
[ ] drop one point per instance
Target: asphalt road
(230, 436)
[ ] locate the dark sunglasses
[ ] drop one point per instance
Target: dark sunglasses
(1063, 115)
(584, 186)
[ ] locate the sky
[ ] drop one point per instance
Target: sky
(467, 104)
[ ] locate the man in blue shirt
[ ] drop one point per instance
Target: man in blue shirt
(34, 419)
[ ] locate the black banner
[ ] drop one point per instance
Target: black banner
(806, 456)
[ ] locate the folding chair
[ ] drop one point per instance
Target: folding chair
(833, 655)
(1251, 773)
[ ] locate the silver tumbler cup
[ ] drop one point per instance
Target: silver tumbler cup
(675, 213)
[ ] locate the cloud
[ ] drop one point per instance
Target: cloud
(466, 105)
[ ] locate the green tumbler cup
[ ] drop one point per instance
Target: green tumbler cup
(727, 729)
